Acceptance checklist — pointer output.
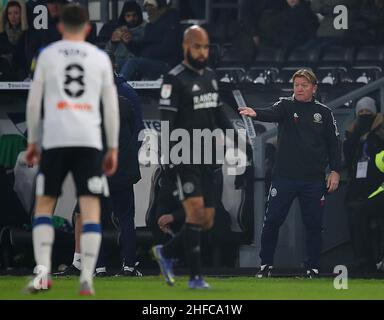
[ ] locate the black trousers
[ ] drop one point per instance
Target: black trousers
(311, 195)
(122, 204)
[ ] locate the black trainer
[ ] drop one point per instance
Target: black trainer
(101, 274)
(312, 273)
(265, 271)
(69, 271)
(131, 272)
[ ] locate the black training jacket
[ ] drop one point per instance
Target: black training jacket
(308, 139)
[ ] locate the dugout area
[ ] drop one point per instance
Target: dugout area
(245, 205)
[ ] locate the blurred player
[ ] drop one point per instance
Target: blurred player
(190, 100)
(71, 77)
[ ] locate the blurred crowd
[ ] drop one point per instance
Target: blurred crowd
(145, 48)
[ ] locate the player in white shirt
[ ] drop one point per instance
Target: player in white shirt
(71, 77)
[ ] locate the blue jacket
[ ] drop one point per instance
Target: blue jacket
(125, 90)
(131, 123)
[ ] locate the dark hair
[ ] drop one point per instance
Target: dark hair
(9, 5)
(131, 6)
(74, 16)
(12, 4)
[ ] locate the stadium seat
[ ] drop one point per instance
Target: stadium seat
(231, 56)
(330, 75)
(300, 56)
(370, 56)
(328, 93)
(286, 73)
(361, 74)
(261, 96)
(214, 54)
(267, 56)
(262, 74)
(337, 56)
(229, 74)
(216, 31)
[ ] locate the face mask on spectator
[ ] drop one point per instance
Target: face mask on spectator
(365, 122)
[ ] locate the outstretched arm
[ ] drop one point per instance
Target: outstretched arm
(272, 114)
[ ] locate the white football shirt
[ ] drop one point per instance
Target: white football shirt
(74, 77)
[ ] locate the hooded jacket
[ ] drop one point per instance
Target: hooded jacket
(130, 6)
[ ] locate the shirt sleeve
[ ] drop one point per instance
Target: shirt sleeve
(168, 105)
(333, 143)
(34, 101)
(271, 114)
(169, 95)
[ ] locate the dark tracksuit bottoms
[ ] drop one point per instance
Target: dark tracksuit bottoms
(123, 207)
(282, 193)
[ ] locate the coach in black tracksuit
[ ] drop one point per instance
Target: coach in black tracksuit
(308, 141)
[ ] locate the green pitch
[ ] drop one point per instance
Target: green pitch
(243, 288)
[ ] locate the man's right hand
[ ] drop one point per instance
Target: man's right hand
(247, 111)
(164, 221)
(116, 36)
(110, 162)
(126, 37)
(32, 155)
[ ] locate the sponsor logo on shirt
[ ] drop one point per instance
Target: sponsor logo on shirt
(166, 91)
(273, 192)
(65, 105)
(207, 100)
(317, 118)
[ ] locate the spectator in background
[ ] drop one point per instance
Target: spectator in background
(241, 33)
(327, 34)
(288, 24)
(364, 139)
(160, 49)
(130, 28)
(38, 39)
(13, 28)
(372, 15)
(267, 26)
(297, 24)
